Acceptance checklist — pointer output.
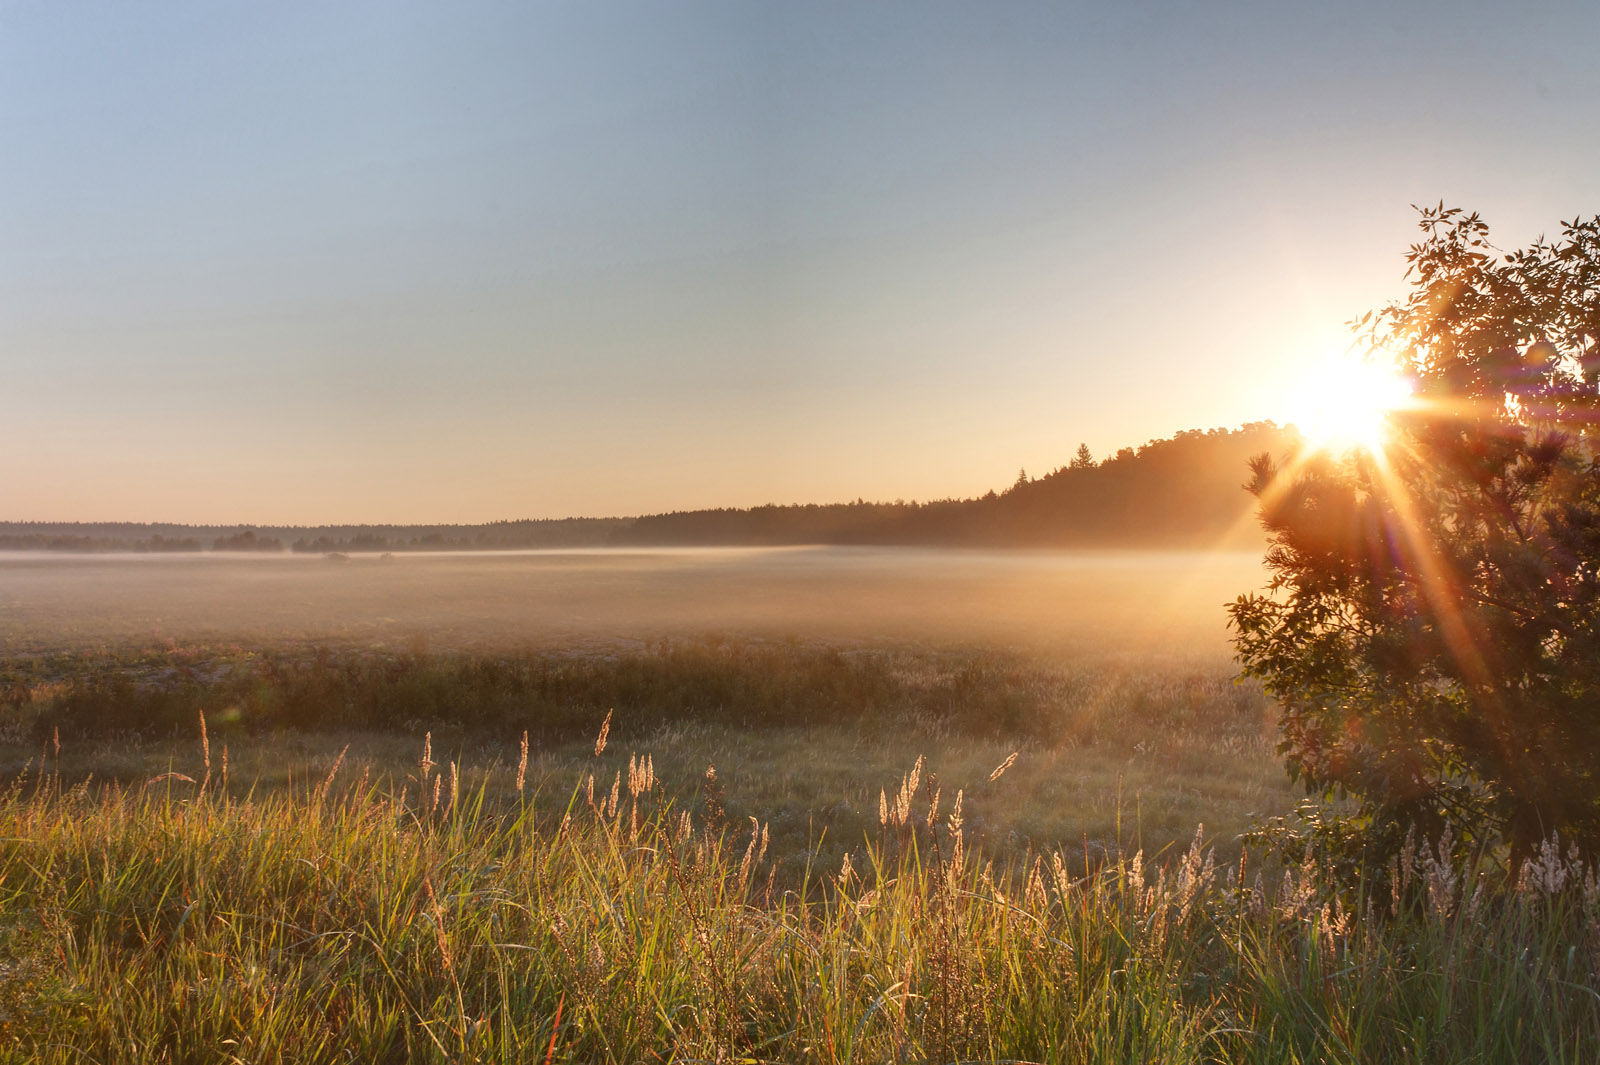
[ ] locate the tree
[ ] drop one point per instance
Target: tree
(1083, 460)
(1432, 625)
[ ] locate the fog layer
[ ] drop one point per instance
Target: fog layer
(591, 598)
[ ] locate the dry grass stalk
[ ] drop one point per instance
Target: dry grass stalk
(898, 813)
(641, 775)
(754, 853)
(426, 763)
(1000, 770)
(522, 762)
(605, 731)
(173, 775)
(327, 782)
(437, 912)
(205, 752)
(711, 791)
(956, 839)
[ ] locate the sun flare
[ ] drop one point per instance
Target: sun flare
(1343, 401)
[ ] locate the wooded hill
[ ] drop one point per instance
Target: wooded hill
(1184, 491)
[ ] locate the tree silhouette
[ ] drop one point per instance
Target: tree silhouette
(1432, 629)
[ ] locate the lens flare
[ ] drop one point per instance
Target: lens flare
(1343, 401)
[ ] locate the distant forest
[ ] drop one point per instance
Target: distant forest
(1184, 491)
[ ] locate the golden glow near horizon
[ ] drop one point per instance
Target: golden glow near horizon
(520, 260)
(1343, 399)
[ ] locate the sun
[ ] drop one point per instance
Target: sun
(1342, 401)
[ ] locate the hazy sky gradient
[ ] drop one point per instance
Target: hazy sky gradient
(455, 262)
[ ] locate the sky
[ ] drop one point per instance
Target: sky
(459, 262)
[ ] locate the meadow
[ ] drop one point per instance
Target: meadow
(802, 674)
(178, 921)
(849, 805)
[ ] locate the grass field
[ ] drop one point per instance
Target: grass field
(803, 736)
(172, 922)
(1110, 672)
(297, 880)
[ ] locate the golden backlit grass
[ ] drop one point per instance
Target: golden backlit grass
(177, 920)
(799, 732)
(305, 885)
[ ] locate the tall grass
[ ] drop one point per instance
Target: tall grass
(800, 731)
(181, 921)
(558, 694)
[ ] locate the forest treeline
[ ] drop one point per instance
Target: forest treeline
(1183, 491)
(317, 539)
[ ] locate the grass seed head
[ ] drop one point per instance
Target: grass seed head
(1000, 770)
(522, 762)
(337, 762)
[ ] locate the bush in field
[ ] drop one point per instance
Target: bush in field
(1433, 623)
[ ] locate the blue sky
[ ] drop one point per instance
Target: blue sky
(457, 262)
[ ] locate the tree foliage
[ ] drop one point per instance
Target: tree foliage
(1432, 626)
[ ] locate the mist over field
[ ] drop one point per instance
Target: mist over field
(1045, 600)
(1115, 664)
